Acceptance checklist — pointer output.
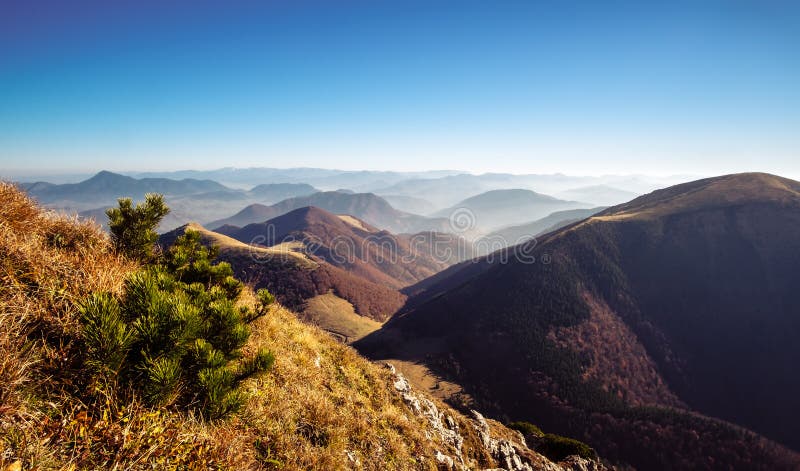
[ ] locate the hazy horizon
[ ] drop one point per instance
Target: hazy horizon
(77, 175)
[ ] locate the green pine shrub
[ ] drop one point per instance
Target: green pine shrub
(553, 446)
(528, 429)
(558, 448)
(133, 227)
(175, 335)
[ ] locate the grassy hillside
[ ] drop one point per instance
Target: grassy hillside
(682, 299)
(320, 407)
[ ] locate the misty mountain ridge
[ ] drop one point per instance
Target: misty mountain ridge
(499, 208)
(189, 199)
(447, 190)
(513, 235)
(105, 185)
(601, 195)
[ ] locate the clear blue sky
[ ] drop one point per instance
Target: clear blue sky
(515, 86)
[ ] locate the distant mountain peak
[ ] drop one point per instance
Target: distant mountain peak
(105, 175)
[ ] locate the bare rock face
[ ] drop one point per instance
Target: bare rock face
(440, 423)
(508, 454)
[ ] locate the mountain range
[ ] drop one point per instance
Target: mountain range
(327, 179)
(636, 329)
(661, 331)
(108, 186)
(446, 191)
(188, 199)
(209, 197)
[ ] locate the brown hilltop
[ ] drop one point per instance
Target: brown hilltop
(711, 193)
(349, 243)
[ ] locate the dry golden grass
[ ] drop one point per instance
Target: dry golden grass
(47, 262)
(287, 251)
(322, 401)
(336, 315)
(352, 221)
(321, 407)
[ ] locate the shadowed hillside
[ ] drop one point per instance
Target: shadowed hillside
(682, 298)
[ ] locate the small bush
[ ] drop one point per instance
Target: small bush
(175, 335)
(528, 429)
(558, 448)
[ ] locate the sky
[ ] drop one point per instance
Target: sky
(594, 87)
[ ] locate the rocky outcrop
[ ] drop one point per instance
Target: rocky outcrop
(502, 450)
(508, 452)
(442, 424)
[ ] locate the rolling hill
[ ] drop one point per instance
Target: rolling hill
(366, 206)
(498, 208)
(641, 323)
